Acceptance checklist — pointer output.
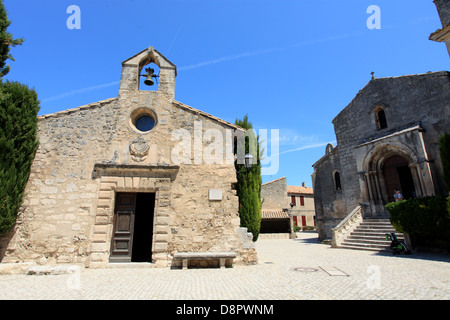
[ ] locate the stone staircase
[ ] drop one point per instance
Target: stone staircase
(370, 234)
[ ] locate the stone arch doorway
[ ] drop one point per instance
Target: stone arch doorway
(398, 176)
(398, 160)
(386, 169)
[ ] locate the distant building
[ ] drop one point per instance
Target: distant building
(302, 205)
(286, 206)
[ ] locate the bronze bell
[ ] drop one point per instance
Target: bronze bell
(149, 81)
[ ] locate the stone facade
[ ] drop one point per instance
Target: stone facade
(387, 139)
(89, 155)
(274, 194)
(302, 205)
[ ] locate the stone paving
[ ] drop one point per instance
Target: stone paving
(287, 270)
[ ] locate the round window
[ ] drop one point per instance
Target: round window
(144, 123)
(142, 120)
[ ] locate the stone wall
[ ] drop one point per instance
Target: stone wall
(274, 194)
(443, 7)
(328, 201)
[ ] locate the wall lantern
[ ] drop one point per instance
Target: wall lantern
(248, 161)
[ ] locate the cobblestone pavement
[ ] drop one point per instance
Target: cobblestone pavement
(288, 269)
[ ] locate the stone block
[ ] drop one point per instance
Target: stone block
(101, 229)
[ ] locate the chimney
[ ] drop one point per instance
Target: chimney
(303, 184)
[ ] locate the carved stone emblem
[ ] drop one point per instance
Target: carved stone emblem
(139, 149)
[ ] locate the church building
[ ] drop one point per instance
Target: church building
(387, 140)
(135, 178)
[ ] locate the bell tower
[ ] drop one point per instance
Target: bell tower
(132, 69)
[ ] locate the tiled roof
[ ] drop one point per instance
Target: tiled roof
(298, 189)
(274, 214)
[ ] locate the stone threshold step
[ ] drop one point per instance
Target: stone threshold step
(362, 248)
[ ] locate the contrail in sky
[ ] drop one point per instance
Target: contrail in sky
(263, 51)
(311, 146)
(229, 58)
(84, 90)
(207, 63)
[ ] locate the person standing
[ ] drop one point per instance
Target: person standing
(398, 196)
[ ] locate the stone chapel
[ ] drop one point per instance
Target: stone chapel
(107, 184)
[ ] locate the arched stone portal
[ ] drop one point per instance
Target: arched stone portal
(397, 176)
(390, 164)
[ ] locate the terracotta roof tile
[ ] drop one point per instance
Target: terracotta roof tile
(274, 214)
(298, 189)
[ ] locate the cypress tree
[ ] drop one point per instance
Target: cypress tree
(6, 41)
(248, 185)
(19, 106)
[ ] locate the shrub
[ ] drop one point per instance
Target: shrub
(427, 217)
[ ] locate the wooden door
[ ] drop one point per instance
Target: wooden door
(122, 238)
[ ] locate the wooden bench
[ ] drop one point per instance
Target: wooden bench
(186, 256)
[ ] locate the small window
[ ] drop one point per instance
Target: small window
(143, 120)
(144, 123)
(302, 200)
(381, 116)
(337, 181)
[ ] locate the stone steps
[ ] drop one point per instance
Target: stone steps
(371, 235)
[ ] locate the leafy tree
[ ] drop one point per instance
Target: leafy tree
(249, 181)
(6, 41)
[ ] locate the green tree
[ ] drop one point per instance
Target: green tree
(249, 181)
(6, 41)
(19, 106)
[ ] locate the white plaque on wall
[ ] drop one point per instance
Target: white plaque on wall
(215, 195)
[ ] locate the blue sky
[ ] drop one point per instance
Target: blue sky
(290, 65)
